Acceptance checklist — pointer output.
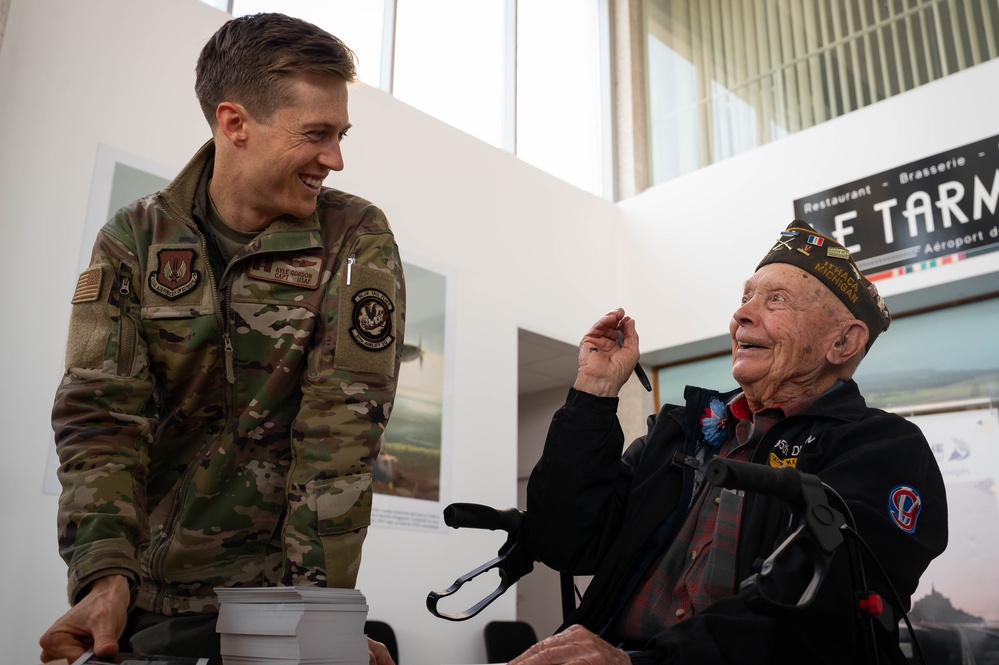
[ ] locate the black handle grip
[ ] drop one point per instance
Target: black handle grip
(477, 516)
(784, 483)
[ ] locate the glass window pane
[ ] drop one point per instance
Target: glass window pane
(724, 77)
(558, 90)
(673, 111)
(358, 23)
(947, 355)
(449, 62)
(711, 373)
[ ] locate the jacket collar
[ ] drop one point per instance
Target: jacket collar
(845, 403)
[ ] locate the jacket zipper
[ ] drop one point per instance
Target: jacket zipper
(126, 336)
(175, 509)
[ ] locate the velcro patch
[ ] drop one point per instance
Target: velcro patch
(175, 274)
(303, 271)
(88, 286)
(367, 341)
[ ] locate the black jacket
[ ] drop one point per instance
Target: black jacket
(592, 511)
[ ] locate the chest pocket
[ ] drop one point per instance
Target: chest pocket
(177, 284)
(273, 323)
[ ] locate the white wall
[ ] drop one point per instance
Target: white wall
(510, 238)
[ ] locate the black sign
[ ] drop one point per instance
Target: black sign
(933, 211)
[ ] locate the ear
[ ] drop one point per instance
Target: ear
(849, 343)
(233, 123)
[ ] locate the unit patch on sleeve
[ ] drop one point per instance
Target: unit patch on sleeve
(303, 271)
(175, 274)
(371, 320)
(904, 504)
(88, 287)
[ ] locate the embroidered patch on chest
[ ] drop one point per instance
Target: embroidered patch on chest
(904, 504)
(175, 274)
(300, 271)
(784, 454)
(371, 320)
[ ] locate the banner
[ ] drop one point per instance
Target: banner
(930, 212)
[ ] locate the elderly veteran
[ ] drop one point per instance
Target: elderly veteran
(667, 550)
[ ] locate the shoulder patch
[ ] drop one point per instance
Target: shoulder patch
(88, 286)
(371, 320)
(303, 271)
(904, 504)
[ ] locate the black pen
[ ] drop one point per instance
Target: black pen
(639, 372)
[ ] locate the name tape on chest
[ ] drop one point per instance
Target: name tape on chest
(302, 271)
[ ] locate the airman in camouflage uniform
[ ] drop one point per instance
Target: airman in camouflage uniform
(220, 413)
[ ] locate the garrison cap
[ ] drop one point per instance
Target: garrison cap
(831, 263)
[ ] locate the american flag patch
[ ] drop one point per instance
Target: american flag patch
(88, 287)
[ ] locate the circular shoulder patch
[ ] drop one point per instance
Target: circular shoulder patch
(904, 504)
(371, 320)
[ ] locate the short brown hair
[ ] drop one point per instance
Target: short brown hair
(250, 59)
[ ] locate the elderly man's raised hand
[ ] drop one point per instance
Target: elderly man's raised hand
(576, 645)
(608, 354)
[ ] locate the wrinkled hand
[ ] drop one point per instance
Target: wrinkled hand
(605, 364)
(96, 622)
(378, 654)
(574, 645)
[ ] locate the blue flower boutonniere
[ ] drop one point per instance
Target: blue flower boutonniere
(713, 425)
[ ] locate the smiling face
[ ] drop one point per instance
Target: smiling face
(283, 160)
(787, 336)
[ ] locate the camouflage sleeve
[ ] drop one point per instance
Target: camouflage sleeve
(100, 426)
(346, 402)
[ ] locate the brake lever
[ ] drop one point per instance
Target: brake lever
(434, 596)
(513, 562)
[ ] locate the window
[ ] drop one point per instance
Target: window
(725, 76)
(560, 104)
(449, 62)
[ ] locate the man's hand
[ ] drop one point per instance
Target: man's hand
(96, 622)
(575, 644)
(608, 354)
(378, 654)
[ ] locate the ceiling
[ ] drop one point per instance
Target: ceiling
(544, 363)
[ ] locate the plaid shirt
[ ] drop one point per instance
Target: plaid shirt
(698, 568)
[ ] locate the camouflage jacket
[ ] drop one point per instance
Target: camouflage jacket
(216, 426)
